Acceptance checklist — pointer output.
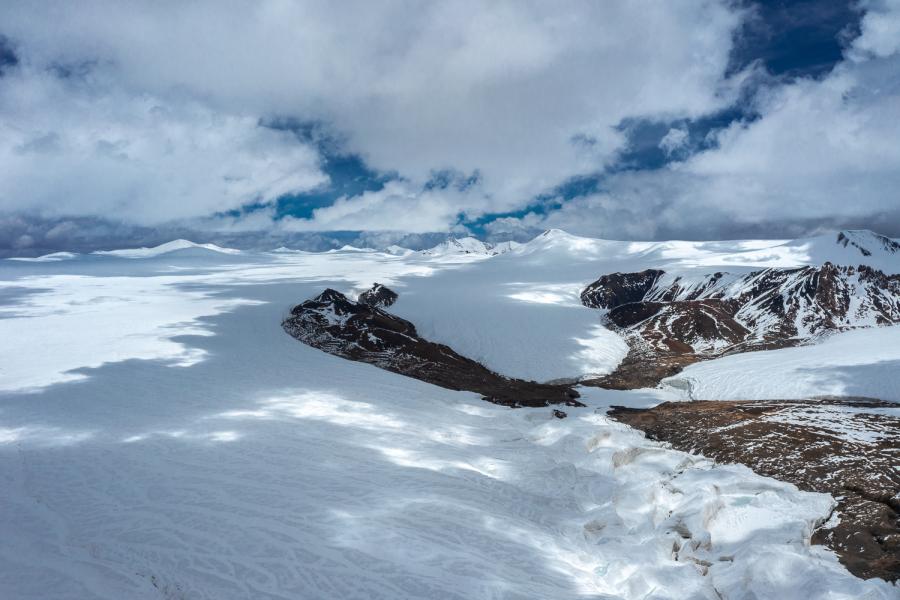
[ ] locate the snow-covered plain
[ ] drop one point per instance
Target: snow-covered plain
(161, 437)
(863, 363)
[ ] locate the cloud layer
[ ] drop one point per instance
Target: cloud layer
(822, 153)
(154, 114)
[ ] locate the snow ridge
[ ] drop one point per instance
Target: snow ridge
(173, 246)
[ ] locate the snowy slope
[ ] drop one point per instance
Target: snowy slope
(854, 363)
(469, 245)
(173, 246)
(268, 469)
(52, 257)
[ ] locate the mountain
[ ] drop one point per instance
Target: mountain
(363, 331)
(470, 245)
(397, 250)
(849, 247)
(672, 320)
(180, 246)
(53, 257)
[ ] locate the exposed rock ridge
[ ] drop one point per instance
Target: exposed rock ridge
(378, 295)
(365, 332)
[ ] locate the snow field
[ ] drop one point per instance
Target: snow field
(197, 451)
(864, 362)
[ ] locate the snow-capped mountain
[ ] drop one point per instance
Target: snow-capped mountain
(397, 250)
(672, 319)
(715, 311)
(52, 257)
(470, 245)
(849, 247)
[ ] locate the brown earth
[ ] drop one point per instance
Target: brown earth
(849, 448)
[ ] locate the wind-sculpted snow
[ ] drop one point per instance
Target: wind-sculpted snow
(848, 447)
(161, 437)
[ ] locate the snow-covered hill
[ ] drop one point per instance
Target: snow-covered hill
(180, 246)
(161, 436)
(52, 257)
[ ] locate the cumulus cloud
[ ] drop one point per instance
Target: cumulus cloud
(675, 139)
(153, 114)
(823, 153)
(523, 94)
(80, 147)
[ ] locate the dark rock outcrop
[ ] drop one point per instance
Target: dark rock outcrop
(617, 289)
(378, 295)
(366, 333)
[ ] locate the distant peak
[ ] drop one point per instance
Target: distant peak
(173, 246)
(867, 242)
(330, 295)
(553, 233)
(465, 245)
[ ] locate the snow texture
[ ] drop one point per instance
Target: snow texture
(864, 362)
(162, 437)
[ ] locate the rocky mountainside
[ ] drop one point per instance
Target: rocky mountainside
(677, 319)
(364, 332)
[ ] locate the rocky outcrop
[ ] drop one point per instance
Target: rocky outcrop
(365, 332)
(846, 447)
(378, 295)
(617, 289)
(671, 321)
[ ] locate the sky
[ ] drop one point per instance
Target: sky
(315, 124)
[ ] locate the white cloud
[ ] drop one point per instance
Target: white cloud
(71, 147)
(500, 88)
(823, 152)
(160, 121)
(398, 207)
(879, 30)
(675, 139)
